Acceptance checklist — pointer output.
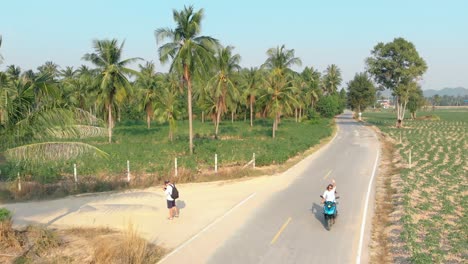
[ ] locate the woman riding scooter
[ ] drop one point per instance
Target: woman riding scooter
(329, 201)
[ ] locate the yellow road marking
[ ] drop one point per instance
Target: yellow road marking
(279, 232)
(328, 174)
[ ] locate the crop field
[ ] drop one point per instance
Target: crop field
(431, 189)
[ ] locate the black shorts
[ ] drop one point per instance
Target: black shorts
(170, 204)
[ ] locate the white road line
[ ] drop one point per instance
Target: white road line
(206, 228)
(364, 216)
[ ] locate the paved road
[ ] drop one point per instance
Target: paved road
(289, 227)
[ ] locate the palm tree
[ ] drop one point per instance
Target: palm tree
(332, 79)
(27, 124)
(147, 84)
(13, 72)
(167, 104)
(114, 85)
(279, 87)
(221, 87)
(253, 81)
(190, 53)
(49, 68)
(312, 79)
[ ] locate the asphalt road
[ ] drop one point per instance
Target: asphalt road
(286, 225)
(289, 227)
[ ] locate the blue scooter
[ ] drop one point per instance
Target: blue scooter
(329, 212)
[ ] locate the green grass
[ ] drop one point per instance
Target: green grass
(434, 185)
(151, 153)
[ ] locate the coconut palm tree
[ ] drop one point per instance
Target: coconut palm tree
(13, 72)
(167, 105)
(190, 52)
(252, 83)
(49, 68)
(27, 125)
(221, 86)
(332, 79)
(279, 87)
(312, 91)
(114, 85)
(147, 85)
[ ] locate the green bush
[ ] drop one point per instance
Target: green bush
(5, 214)
(329, 106)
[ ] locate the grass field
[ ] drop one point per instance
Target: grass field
(152, 155)
(431, 191)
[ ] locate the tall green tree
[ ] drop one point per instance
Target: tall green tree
(252, 81)
(49, 68)
(395, 66)
(332, 79)
(190, 52)
(113, 83)
(361, 92)
(313, 92)
(416, 101)
(279, 88)
(147, 83)
(221, 86)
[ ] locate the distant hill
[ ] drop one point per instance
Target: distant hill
(458, 91)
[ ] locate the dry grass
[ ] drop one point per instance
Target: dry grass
(37, 244)
(131, 249)
(380, 248)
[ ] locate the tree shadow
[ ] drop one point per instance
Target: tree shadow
(317, 210)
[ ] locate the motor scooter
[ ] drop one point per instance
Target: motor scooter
(329, 212)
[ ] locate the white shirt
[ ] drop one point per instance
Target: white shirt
(329, 195)
(168, 192)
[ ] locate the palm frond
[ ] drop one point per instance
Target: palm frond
(48, 151)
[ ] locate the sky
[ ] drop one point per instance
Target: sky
(341, 32)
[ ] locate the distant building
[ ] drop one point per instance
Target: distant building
(385, 103)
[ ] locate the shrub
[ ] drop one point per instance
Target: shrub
(5, 214)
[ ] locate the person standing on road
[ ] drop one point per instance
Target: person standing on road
(171, 203)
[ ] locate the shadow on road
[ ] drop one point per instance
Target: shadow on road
(317, 210)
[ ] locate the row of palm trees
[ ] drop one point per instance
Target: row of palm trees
(202, 71)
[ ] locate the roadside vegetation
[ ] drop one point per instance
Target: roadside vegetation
(38, 244)
(428, 221)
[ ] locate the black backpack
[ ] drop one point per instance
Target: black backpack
(175, 192)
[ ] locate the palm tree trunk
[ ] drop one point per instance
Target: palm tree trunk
(232, 117)
(203, 116)
(109, 110)
(251, 113)
(218, 117)
(189, 106)
(295, 113)
(274, 125)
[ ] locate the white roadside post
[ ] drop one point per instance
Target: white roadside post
(74, 173)
(216, 163)
(253, 158)
(175, 167)
(19, 182)
(128, 171)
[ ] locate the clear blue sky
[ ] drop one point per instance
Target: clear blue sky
(321, 32)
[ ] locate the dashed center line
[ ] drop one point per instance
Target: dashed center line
(279, 232)
(328, 174)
